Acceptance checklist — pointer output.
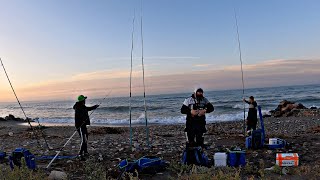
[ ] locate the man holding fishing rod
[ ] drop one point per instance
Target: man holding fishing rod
(81, 121)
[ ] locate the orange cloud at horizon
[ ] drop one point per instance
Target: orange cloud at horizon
(97, 84)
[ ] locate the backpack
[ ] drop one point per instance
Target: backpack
(256, 139)
(195, 155)
(17, 154)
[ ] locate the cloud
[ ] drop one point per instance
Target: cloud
(280, 64)
(149, 58)
(202, 65)
(95, 84)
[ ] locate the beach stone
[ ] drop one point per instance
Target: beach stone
(284, 171)
(136, 145)
(69, 161)
(121, 149)
(57, 175)
(159, 153)
(73, 147)
(269, 169)
(10, 133)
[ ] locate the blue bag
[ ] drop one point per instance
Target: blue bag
(127, 166)
(236, 158)
(195, 155)
(248, 142)
(17, 154)
(146, 164)
(2, 155)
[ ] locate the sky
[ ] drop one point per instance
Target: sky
(58, 49)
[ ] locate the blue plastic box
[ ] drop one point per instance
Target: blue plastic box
(236, 158)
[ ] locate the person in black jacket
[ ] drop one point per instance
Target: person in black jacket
(252, 114)
(196, 107)
(81, 122)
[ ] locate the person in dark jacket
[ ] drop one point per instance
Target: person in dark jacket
(81, 122)
(196, 107)
(252, 114)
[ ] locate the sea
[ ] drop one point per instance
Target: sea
(165, 109)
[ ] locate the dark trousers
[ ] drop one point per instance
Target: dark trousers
(251, 125)
(83, 132)
(192, 136)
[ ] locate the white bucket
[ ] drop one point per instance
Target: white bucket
(220, 159)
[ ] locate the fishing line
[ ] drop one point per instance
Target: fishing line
(144, 87)
(240, 56)
(14, 92)
(130, 94)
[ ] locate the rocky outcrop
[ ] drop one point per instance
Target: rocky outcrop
(11, 117)
(288, 108)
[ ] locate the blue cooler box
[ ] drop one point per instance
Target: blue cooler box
(236, 158)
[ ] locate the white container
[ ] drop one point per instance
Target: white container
(220, 159)
(273, 141)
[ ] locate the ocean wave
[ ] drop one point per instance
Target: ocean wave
(141, 120)
(126, 108)
(239, 106)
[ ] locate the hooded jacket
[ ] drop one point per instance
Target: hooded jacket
(252, 113)
(196, 123)
(81, 114)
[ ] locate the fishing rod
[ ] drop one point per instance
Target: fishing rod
(61, 149)
(240, 56)
(130, 94)
(28, 120)
(144, 87)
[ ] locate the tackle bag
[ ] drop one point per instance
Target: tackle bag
(195, 155)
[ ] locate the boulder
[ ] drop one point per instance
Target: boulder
(57, 175)
(287, 108)
(10, 117)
